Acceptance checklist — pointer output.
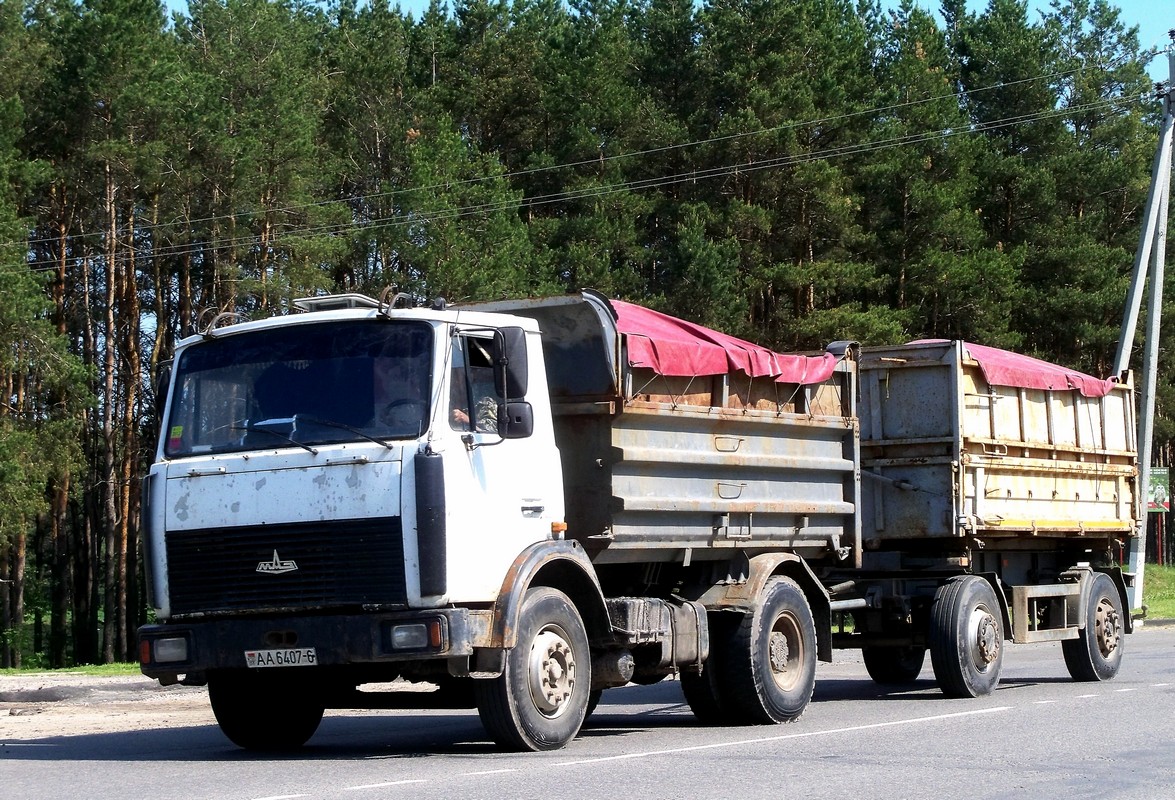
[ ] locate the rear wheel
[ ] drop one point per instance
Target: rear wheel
(770, 671)
(1096, 654)
(966, 637)
(593, 701)
(704, 690)
(279, 713)
(894, 665)
(540, 700)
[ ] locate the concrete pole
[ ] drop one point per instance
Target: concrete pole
(1160, 174)
(1146, 402)
(1160, 186)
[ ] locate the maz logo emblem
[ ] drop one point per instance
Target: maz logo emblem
(277, 566)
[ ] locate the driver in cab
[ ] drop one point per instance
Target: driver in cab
(400, 396)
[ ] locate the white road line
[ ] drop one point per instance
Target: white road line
(1159, 685)
(1043, 702)
(1132, 689)
(28, 744)
(1087, 696)
(784, 737)
(281, 797)
(382, 785)
(487, 772)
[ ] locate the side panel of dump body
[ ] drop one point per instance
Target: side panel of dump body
(947, 455)
(689, 469)
(659, 483)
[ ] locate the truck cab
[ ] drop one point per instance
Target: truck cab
(344, 485)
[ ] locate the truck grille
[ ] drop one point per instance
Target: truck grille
(295, 565)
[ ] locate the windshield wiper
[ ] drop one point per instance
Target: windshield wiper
(259, 427)
(330, 423)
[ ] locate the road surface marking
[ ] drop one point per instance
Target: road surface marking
(1043, 702)
(281, 797)
(785, 737)
(488, 772)
(382, 785)
(1133, 689)
(29, 744)
(1086, 696)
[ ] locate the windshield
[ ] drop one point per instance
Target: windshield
(300, 386)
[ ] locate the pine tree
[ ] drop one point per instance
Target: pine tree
(42, 384)
(944, 282)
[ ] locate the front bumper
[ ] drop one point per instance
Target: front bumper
(195, 647)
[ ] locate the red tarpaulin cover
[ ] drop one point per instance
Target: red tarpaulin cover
(1002, 368)
(671, 346)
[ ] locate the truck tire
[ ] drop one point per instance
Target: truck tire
(770, 670)
(275, 714)
(593, 701)
(540, 700)
(704, 691)
(966, 637)
(894, 665)
(1096, 654)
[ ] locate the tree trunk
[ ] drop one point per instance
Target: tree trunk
(19, 556)
(129, 436)
(6, 622)
(59, 487)
(109, 473)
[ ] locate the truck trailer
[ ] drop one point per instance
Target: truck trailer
(526, 502)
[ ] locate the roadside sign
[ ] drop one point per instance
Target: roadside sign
(1158, 491)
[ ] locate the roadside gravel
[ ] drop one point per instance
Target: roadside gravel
(37, 705)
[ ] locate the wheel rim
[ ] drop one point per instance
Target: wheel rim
(785, 652)
(552, 671)
(985, 638)
(1108, 624)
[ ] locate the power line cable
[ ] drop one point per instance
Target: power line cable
(181, 226)
(417, 217)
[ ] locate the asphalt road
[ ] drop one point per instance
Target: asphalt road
(1040, 735)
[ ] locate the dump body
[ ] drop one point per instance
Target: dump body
(665, 459)
(949, 453)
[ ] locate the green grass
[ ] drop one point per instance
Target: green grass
(1158, 591)
(88, 669)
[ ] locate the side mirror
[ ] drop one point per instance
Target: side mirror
(510, 364)
(515, 420)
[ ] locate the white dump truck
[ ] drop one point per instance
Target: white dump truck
(527, 502)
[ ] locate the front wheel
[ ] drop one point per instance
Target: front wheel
(1096, 654)
(271, 715)
(966, 637)
(540, 700)
(770, 672)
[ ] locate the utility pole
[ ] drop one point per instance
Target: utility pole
(1152, 249)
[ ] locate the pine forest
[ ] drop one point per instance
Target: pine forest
(789, 171)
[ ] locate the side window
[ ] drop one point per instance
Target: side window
(473, 399)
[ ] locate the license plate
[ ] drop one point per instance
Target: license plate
(289, 657)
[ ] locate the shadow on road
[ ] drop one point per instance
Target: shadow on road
(410, 735)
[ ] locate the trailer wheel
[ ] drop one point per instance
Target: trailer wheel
(540, 700)
(966, 637)
(272, 715)
(1096, 654)
(894, 665)
(770, 671)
